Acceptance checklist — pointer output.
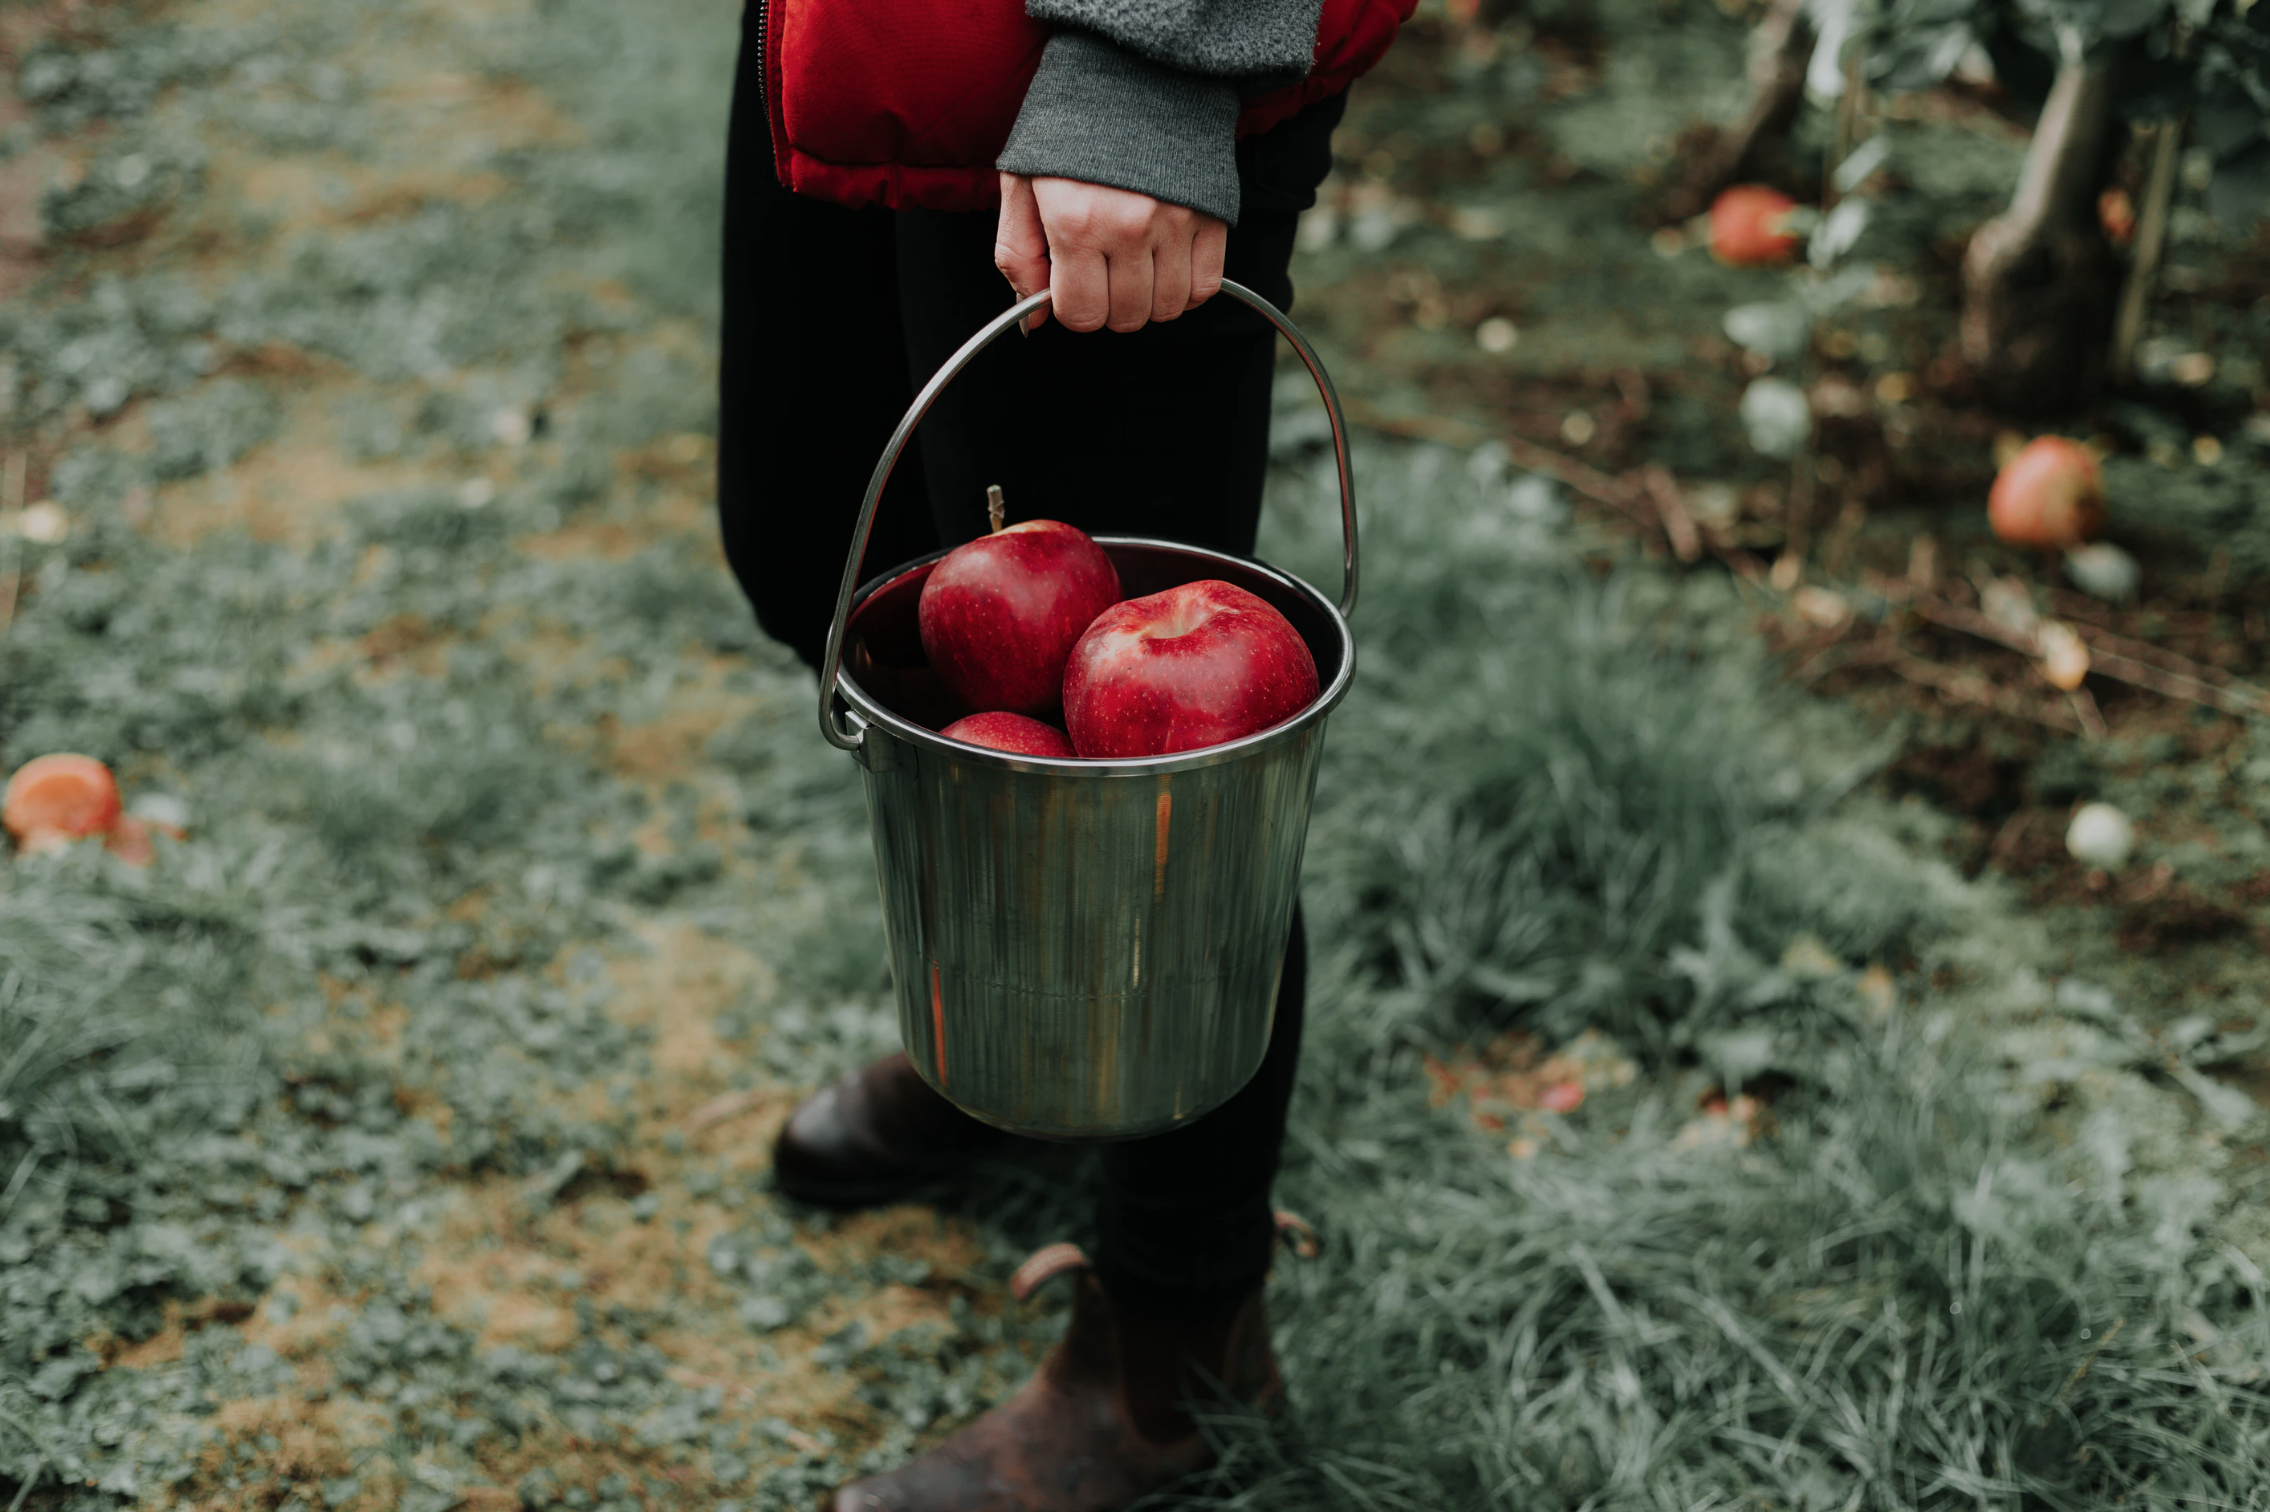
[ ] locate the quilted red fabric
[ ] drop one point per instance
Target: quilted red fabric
(907, 105)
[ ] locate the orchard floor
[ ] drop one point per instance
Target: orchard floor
(1719, 1095)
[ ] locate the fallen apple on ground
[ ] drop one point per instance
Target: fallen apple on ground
(56, 799)
(1000, 614)
(2050, 494)
(1750, 227)
(1194, 666)
(2116, 213)
(1011, 732)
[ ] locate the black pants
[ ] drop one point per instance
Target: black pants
(832, 319)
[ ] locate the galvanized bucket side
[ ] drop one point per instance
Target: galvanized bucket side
(1091, 959)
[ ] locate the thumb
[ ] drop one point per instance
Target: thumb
(1020, 245)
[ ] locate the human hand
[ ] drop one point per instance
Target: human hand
(1107, 256)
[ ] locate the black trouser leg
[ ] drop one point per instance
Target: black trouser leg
(810, 385)
(1186, 1226)
(832, 317)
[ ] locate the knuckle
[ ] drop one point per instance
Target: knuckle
(1127, 222)
(1077, 223)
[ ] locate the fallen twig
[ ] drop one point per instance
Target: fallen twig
(2112, 644)
(2233, 697)
(1637, 500)
(1952, 616)
(1968, 687)
(1838, 655)
(1678, 525)
(1590, 482)
(1651, 497)
(2115, 656)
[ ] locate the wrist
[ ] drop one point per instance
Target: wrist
(1099, 113)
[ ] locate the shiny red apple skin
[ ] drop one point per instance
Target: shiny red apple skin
(1193, 666)
(1011, 732)
(1000, 614)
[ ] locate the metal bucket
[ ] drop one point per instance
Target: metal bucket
(1082, 949)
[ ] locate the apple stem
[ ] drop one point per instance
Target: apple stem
(995, 510)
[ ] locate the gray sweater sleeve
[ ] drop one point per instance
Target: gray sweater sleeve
(1144, 94)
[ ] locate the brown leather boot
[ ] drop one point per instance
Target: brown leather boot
(1100, 1424)
(875, 1136)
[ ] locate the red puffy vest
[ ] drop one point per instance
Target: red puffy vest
(907, 106)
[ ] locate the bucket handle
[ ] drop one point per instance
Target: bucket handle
(832, 671)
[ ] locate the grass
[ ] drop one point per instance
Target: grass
(1885, 1305)
(1901, 1293)
(512, 848)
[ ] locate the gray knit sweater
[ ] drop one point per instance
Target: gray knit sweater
(1144, 94)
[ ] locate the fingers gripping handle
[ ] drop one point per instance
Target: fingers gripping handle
(849, 734)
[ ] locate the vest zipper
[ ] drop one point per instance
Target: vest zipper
(764, 63)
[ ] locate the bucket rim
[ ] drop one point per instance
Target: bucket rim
(873, 715)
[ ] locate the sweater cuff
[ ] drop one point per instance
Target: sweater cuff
(1103, 115)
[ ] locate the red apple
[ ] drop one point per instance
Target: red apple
(999, 615)
(1749, 226)
(2116, 213)
(2050, 494)
(1010, 732)
(1193, 666)
(53, 800)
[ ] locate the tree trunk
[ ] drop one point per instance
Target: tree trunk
(1780, 53)
(2038, 279)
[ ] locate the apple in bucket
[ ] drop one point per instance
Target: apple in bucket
(1011, 732)
(999, 615)
(1194, 666)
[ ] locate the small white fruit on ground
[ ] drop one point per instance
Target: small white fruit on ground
(2100, 836)
(2102, 570)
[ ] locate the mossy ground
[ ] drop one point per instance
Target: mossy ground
(398, 1139)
